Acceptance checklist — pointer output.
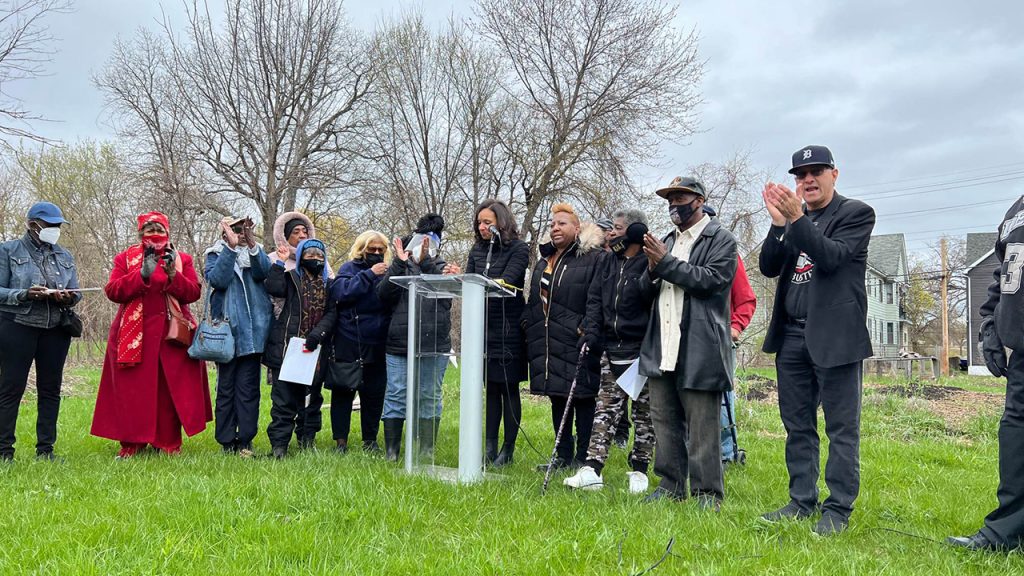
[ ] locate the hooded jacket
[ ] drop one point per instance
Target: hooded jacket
(284, 285)
(281, 240)
(705, 344)
(553, 338)
(625, 304)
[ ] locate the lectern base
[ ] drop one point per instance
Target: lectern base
(451, 475)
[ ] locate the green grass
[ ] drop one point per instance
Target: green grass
(319, 513)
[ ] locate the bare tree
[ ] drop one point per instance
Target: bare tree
(25, 49)
(266, 102)
(734, 190)
(601, 83)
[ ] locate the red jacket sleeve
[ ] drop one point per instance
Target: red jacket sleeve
(743, 299)
(185, 284)
(123, 287)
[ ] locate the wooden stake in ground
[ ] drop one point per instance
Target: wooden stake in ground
(944, 361)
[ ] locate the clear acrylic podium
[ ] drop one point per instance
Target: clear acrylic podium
(474, 289)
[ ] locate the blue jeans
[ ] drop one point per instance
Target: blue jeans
(428, 386)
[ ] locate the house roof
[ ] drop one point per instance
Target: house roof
(885, 251)
(979, 245)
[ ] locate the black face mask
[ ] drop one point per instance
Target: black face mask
(618, 246)
(314, 267)
(547, 249)
(681, 213)
(373, 259)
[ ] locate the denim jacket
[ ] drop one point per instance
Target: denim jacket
(19, 271)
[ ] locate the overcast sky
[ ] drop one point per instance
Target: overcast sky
(920, 101)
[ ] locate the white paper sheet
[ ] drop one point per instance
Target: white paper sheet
(631, 382)
(298, 366)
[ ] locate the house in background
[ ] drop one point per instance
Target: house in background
(886, 283)
(981, 263)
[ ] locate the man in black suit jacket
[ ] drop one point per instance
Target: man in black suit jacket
(818, 247)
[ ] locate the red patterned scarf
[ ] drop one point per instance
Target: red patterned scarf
(129, 333)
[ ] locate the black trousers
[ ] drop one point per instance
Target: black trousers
(19, 347)
(803, 386)
(686, 430)
(503, 401)
(582, 412)
(371, 403)
(290, 413)
(1004, 526)
(238, 401)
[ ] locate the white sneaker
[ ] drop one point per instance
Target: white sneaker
(586, 478)
(637, 482)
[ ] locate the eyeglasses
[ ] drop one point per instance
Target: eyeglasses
(815, 171)
(376, 250)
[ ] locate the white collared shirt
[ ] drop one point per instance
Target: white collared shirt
(670, 299)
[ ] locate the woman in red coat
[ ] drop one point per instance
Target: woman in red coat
(150, 387)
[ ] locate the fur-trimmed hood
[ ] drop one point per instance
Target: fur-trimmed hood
(591, 237)
(281, 240)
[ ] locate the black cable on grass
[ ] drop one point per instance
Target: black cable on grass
(668, 552)
(912, 535)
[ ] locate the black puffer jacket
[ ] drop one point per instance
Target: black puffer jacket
(553, 339)
(285, 284)
(506, 357)
(435, 314)
(625, 304)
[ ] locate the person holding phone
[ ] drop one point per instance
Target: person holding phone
(150, 388)
(36, 275)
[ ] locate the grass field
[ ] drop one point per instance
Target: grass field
(928, 471)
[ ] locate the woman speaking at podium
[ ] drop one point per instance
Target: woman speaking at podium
(499, 253)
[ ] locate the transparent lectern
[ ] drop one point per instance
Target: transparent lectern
(422, 365)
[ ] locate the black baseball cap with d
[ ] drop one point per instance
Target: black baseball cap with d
(812, 156)
(684, 184)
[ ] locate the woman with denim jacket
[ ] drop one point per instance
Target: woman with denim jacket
(35, 278)
(236, 267)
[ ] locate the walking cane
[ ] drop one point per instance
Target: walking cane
(565, 416)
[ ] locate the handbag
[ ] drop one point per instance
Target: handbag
(213, 341)
(179, 328)
(70, 323)
(346, 376)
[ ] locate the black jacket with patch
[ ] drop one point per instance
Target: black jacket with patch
(1005, 304)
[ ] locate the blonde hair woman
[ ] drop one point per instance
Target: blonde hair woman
(360, 334)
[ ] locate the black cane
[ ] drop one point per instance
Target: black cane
(565, 416)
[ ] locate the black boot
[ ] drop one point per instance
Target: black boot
(490, 450)
(504, 457)
(392, 438)
(428, 428)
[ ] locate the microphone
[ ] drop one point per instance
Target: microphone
(494, 234)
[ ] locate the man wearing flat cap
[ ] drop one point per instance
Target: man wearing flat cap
(686, 351)
(817, 247)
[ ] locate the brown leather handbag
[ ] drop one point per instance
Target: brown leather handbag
(179, 330)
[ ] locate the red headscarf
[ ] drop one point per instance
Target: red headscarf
(154, 216)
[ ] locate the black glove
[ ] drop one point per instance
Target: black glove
(591, 341)
(992, 349)
(148, 264)
(169, 256)
(312, 341)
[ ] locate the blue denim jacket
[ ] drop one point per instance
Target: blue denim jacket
(19, 271)
(237, 294)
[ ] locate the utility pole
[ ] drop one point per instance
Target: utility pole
(944, 361)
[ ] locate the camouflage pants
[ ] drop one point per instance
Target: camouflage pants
(611, 401)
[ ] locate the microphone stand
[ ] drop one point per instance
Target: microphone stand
(490, 247)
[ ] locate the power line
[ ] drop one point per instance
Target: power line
(933, 176)
(912, 213)
(940, 187)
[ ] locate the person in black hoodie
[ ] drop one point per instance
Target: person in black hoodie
(434, 337)
(625, 309)
(308, 313)
(1001, 329)
(359, 334)
(503, 256)
(561, 315)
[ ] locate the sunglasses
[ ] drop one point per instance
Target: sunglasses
(815, 171)
(376, 250)
(237, 229)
